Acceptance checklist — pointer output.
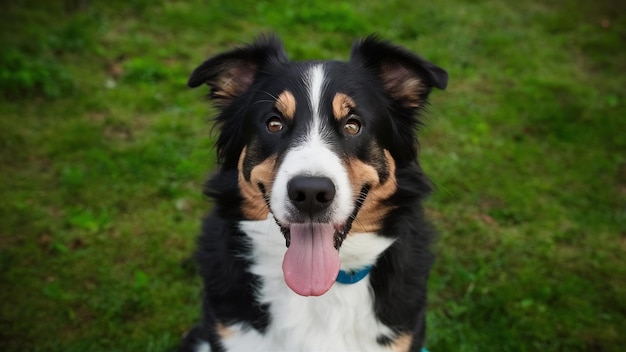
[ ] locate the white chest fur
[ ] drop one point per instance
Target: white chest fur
(340, 320)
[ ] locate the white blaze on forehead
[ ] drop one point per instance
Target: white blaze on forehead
(313, 157)
(315, 81)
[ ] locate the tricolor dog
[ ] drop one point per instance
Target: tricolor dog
(317, 241)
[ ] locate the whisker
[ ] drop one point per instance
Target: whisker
(262, 101)
(266, 92)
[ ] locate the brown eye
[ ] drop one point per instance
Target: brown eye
(274, 124)
(352, 126)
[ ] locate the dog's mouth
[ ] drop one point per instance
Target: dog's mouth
(311, 263)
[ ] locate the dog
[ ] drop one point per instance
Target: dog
(317, 240)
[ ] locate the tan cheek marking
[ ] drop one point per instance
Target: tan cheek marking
(254, 206)
(342, 104)
(402, 343)
(224, 332)
(374, 209)
(286, 104)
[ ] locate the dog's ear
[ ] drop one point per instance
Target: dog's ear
(404, 75)
(230, 74)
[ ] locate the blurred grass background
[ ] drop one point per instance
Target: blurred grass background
(104, 151)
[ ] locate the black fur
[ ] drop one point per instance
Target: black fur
(399, 277)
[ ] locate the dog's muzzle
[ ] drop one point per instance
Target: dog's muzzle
(311, 263)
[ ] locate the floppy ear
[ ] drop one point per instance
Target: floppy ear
(230, 74)
(405, 76)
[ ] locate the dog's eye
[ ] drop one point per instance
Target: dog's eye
(352, 126)
(274, 124)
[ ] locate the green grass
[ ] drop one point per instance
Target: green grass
(104, 151)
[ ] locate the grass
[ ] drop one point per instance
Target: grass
(104, 151)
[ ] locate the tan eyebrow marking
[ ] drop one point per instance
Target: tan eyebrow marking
(342, 104)
(286, 104)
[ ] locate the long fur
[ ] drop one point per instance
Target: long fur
(246, 303)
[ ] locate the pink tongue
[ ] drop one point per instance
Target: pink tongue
(311, 263)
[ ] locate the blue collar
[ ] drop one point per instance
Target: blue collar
(352, 277)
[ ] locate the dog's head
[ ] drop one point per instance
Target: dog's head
(317, 145)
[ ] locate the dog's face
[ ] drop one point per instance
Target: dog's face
(317, 144)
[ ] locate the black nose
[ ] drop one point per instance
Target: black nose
(311, 194)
